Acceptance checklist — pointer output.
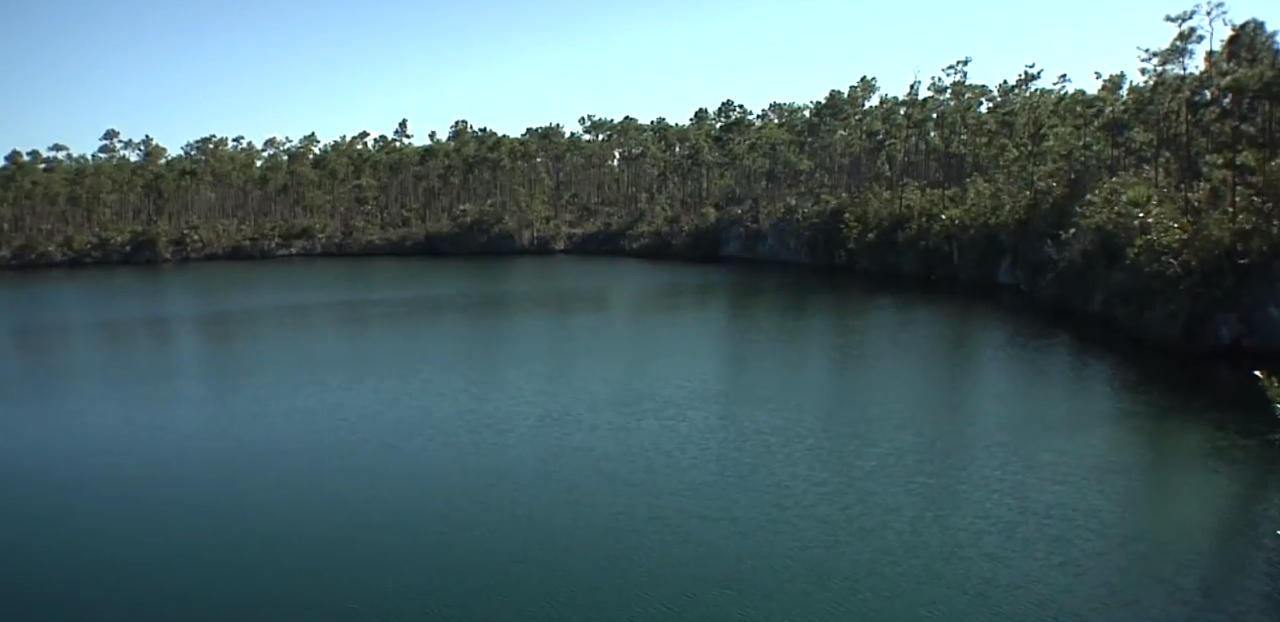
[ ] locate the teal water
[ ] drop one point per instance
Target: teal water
(590, 439)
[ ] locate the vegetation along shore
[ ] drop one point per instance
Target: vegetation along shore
(1149, 202)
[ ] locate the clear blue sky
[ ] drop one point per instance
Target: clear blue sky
(181, 69)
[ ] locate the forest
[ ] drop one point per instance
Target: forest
(1173, 173)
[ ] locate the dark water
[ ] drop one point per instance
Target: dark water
(567, 439)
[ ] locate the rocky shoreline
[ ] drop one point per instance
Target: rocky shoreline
(1243, 322)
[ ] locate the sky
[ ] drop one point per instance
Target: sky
(179, 70)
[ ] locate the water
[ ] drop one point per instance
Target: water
(570, 439)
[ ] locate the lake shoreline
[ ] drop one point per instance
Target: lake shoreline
(1238, 328)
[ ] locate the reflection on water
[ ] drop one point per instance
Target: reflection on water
(565, 439)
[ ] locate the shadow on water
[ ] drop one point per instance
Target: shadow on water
(1224, 390)
(941, 364)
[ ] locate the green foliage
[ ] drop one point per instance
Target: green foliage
(1174, 174)
(1271, 387)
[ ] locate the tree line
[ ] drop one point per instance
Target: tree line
(1174, 170)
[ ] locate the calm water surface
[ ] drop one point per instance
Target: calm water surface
(570, 439)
